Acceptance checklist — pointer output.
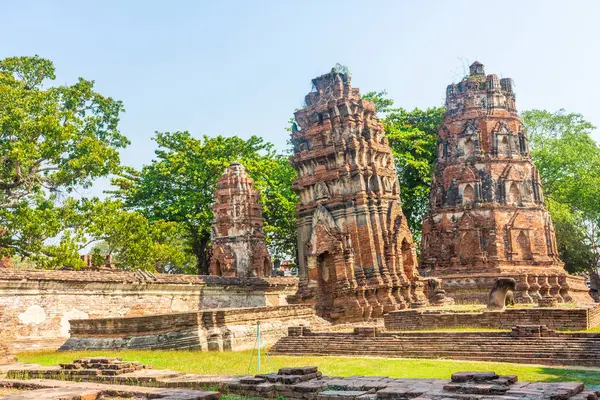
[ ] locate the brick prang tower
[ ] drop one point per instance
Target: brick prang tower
(487, 215)
(356, 255)
(239, 248)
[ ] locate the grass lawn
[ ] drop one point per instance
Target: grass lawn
(234, 363)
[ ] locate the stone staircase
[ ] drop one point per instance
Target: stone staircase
(559, 349)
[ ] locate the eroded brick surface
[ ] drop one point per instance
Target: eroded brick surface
(37, 305)
(487, 205)
(357, 259)
(310, 384)
(524, 344)
(238, 243)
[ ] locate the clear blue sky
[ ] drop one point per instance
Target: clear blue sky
(242, 67)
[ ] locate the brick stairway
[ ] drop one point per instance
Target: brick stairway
(559, 349)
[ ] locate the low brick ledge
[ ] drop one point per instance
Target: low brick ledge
(11, 275)
(526, 344)
(163, 323)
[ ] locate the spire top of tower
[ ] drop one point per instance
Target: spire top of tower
(476, 68)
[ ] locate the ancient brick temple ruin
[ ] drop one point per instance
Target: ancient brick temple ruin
(356, 254)
(487, 213)
(239, 248)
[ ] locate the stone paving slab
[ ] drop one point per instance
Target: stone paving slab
(65, 390)
(311, 385)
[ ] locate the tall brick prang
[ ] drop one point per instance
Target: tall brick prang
(356, 255)
(487, 215)
(239, 248)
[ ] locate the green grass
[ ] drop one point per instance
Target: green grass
(234, 363)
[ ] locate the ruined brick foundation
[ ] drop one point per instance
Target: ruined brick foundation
(533, 286)
(356, 255)
(487, 215)
(36, 306)
(575, 319)
(208, 330)
(524, 344)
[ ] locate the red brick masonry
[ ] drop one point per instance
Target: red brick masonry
(36, 306)
(238, 243)
(487, 213)
(356, 255)
(217, 330)
(554, 318)
(527, 344)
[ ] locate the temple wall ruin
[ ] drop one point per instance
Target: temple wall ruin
(36, 306)
(207, 330)
(554, 318)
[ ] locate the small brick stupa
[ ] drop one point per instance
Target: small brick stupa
(355, 251)
(487, 213)
(239, 248)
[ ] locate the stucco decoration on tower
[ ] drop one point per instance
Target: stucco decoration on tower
(356, 255)
(239, 248)
(487, 214)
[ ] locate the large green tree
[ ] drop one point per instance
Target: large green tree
(568, 160)
(179, 186)
(132, 240)
(53, 139)
(412, 136)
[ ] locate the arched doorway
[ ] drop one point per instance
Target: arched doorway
(524, 246)
(326, 282)
(469, 148)
(468, 194)
(514, 194)
(503, 148)
(408, 261)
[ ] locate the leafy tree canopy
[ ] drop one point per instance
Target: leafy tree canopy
(179, 185)
(412, 136)
(52, 140)
(134, 242)
(568, 160)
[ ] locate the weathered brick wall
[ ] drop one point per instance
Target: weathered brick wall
(524, 344)
(36, 306)
(553, 318)
(594, 317)
(475, 288)
(229, 329)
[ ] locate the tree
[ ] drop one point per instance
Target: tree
(383, 104)
(134, 242)
(179, 185)
(568, 160)
(52, 140)
(412, 136)
(279, 206)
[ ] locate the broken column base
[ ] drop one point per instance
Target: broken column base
(363, 303)
(538, 288)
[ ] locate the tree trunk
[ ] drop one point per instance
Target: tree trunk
(201, 249)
